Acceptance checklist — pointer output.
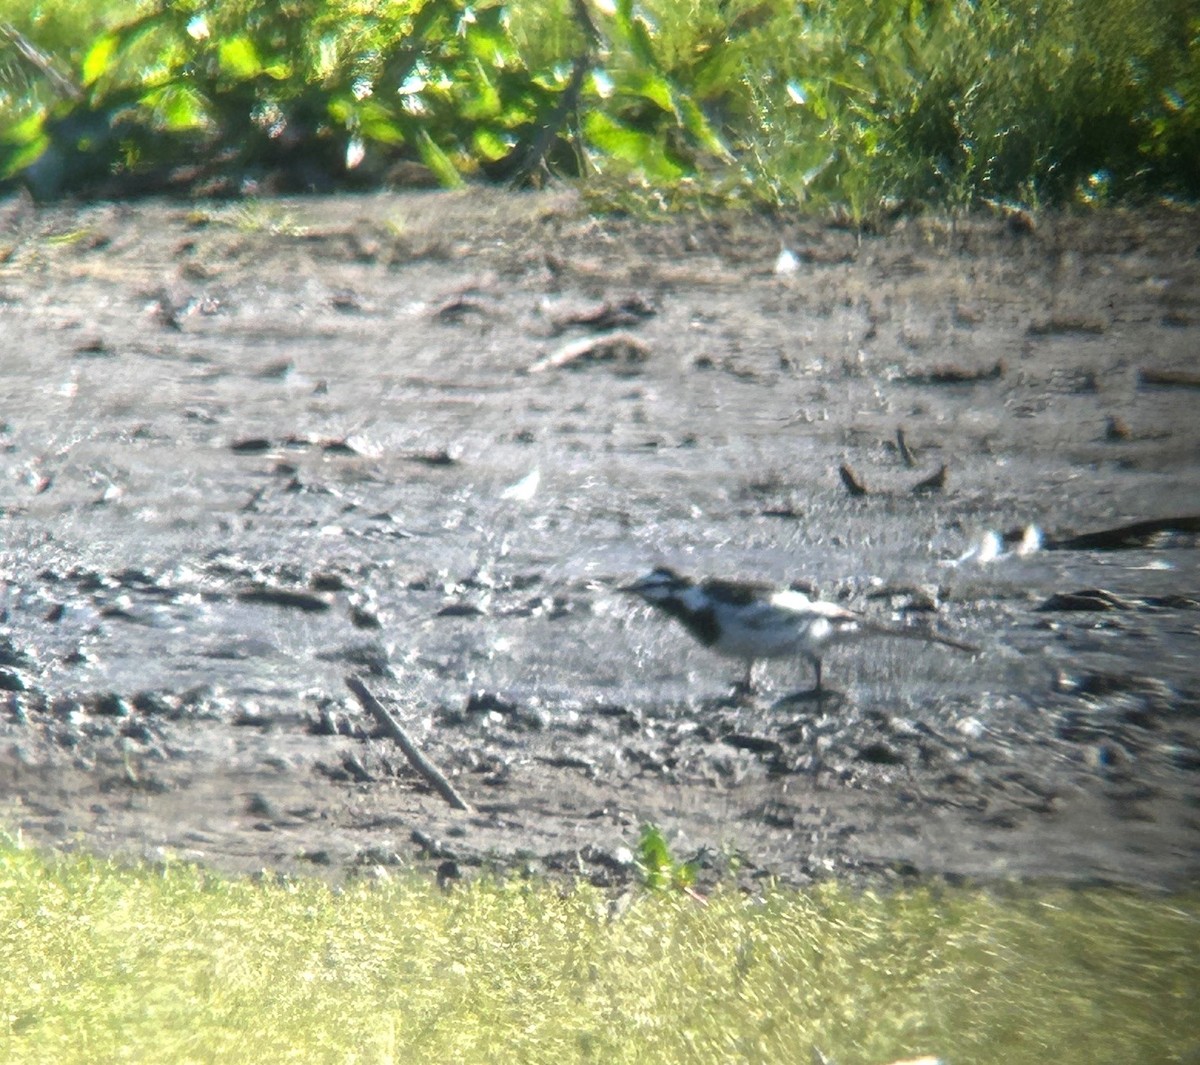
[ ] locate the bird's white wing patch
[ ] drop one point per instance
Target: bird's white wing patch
(834, 612)
(801, 604)
(790, 600)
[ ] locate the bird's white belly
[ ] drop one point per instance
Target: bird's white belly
(771, 639)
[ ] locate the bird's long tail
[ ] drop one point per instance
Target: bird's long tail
(924, 635)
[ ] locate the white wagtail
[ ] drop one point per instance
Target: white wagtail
(753, 621)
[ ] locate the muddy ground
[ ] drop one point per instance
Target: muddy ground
(251, 449)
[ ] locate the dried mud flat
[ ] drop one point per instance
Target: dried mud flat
(252, 449)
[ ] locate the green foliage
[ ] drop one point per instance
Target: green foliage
(855, 104)
(170, 963)
(306, 89)
(317, 93)
(952, 102)
(658, 868)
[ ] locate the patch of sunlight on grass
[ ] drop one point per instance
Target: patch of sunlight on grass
(104, 963)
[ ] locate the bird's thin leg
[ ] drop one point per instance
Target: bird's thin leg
(817, 665)
(744, 686)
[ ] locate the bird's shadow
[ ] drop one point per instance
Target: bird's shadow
(821, 699)
(818, 699)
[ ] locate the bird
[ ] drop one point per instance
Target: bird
(753, 621)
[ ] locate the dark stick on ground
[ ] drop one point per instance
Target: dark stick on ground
(1149, 377)
(902, 445)
(1139, 534)
(434, 776)
(850, 479)
(933, 483)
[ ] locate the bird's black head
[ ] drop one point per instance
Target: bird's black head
(659, 585)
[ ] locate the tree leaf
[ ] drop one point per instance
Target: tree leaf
(652, 87)
(98, 60)
(381, 129)
(491, 145)
(698, 126)
(438, 161)
(641, 43)
(642, 150)
(26, 131)
(26, 155)
(239, 58)
(181, 107)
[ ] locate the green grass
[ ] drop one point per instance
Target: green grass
(106, 963)
(857, 106)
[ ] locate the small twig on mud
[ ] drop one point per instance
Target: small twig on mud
(1138, 535)
(434, 776)
(933, 483)
(1148, 376)
(851, 480)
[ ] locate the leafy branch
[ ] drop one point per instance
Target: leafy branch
(849, 104)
